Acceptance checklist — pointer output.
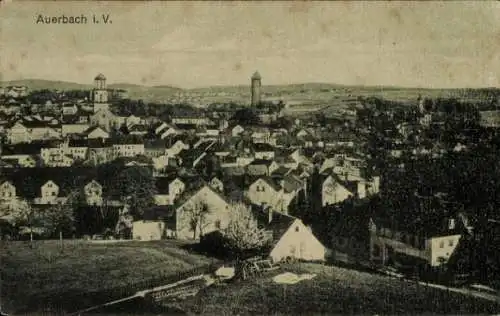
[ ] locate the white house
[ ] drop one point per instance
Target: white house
(76, 128)
(333, 192)
(216, 218)
(292, 239)
(434, 245)
(168, 194)
(277, 194)
(49, 194)
(148, 229)
(128, 150)
(96, 132)
(69, 109)
(7, 191)
(18, 133)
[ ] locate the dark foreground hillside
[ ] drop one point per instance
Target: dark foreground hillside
(334, 290)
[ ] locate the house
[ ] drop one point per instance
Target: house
(291, 238)
(69, 109)
(106, 119)
(333, 191)
(189, 119)
(260, 135)
(93, 193)
(216, 216)
(73, 128)
(18, 133)
(154, 148)
(49, 194)
(128, 147)
(7, 191)
(277, 193)
(31, 129)
(138, 129)
(263, 151)
(168, 190)
(261, 167)
(163, 161)
(76, 148)
(95, 132)
(428, 240)
(155, 224)
(100, 151)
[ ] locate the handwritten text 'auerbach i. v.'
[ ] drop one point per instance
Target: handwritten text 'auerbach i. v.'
(73, 19)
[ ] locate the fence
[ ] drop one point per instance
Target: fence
(78, 300)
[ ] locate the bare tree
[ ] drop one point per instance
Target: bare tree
(196, 215)
(243, 233)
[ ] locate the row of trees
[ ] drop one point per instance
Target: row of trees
(131, 186)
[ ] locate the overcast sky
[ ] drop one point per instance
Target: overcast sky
(201, 44)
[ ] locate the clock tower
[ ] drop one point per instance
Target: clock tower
(99, 93)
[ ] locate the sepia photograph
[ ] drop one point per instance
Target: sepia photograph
(249, 157)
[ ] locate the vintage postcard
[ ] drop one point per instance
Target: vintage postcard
(249, 158)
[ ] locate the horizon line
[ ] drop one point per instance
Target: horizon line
(263, 85)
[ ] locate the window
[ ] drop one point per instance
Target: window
(441, 244)
(217, 224)
(297, 229)
(450, 243)
(53, 193)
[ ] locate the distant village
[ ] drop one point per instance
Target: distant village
(326, 187)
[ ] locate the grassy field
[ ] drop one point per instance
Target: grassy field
(333, 291)
(28, 275)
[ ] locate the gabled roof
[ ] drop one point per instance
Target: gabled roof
(280, 172)
(138, 128)
(273, 183)
(92, 129)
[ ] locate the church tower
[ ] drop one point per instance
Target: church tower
(99, 93)
(256, 83)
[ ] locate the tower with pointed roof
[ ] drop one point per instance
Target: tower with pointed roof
(99, 93)
(255, 88)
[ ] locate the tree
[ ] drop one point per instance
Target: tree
(246, 116)
(59, 218)
(196, 215)
(243, 234)
(18, 213)
(136, 186)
